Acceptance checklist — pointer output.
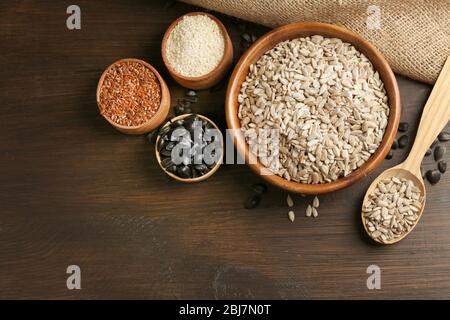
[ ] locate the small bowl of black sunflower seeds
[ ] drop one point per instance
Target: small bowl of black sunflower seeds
(189, 148)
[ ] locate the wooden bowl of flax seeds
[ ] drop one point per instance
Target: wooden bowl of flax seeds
(132, 96)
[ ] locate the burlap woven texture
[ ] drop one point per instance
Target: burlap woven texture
(414, 35)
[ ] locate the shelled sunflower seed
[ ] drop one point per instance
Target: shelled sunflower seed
(323, 102)
(309, 210)
(392, 209)
(316, 202)
(289, 201)
(291, 215)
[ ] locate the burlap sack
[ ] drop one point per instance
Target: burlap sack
(414, 35)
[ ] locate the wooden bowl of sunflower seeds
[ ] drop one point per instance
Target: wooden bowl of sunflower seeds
(314, 107)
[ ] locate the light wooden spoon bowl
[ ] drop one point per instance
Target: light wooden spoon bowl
(435, 116)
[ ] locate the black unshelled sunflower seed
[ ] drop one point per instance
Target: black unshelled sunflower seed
(390, 154)
(252, 201)
(439, 152)
(429, 151)
(259, 188)
(433, 176)
(403, 126)
(191, 99)
(165, 152)
(246, 37)
(191, 93)
(152, 135)
(184, 172)
(403, 141)
(444, 136)
(394, 144)
(442, 166)
(166, 162)
(178, 110)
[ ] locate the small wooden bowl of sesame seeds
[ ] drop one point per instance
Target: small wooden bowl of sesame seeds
(132, 96)
(197, 50)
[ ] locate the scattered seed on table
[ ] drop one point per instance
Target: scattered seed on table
(433, 176)
(289, 201)
(403, 141)
(316, 202)
(403, 126)
(191, 99)
(442, 166)
(439, 152)
(246, 37)
(259, 188)
(191, 93)
(151, 137)
(390, 154)
(309, 211)
(444, 136)
(315, 213)
(429, 151)
(394, 144)
(252, 201)
(178, 110)
(291, 215)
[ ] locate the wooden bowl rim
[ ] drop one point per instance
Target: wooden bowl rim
(210, 172)
(311, 28)
(221, 64)
(162, 108)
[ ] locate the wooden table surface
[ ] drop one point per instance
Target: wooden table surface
(76, 192)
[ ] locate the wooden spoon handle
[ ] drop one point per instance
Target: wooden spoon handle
(435, 116)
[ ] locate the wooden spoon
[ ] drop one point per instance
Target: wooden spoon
(435, 116)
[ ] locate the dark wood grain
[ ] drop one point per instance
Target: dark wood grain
(76, 191)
